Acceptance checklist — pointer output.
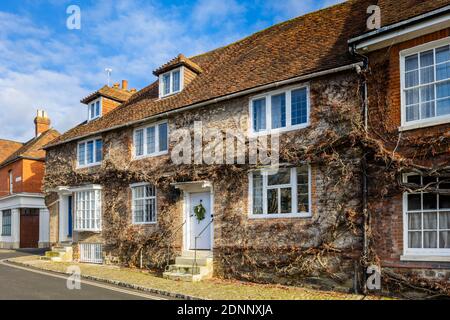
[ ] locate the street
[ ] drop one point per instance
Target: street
(18, 283)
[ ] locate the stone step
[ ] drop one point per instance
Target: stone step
(200, 254)
(52, 254)
(190, 261)
(182, 276)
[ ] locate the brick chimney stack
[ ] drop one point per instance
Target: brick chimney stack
(124, 84)
(42, 122)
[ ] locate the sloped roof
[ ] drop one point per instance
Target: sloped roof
(179, 60)
(117, 94)
(33, 149)
(311, 43)
(8, 147)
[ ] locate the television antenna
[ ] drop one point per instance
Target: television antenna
(108, 74)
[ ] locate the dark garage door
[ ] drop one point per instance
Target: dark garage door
(29, 228)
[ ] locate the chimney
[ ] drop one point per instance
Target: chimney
(116, 85)
(124, 84)
(42, 122)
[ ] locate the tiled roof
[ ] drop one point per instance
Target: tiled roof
(301, 46)
(33, 148)
(117, 94)
(179, 60)
(8, 147)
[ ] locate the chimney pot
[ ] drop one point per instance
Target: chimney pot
(124, 84)
(41, 122)
(116, 85)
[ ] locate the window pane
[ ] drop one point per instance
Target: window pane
(411, 63)
(163, 137)
(430, 220)
(259, 115)
(443, 90)
(139, 210)
(443, 71)
(151, 140)
(442, 54)
(272, 201)
(414, 221)
(282, 177)
(426, 58)
(412, 112)
(97, 108)
(90, 152)
(149, 191)
(426, 75)
(81, 154)
(299, 106)
(412, 79)
(286, 200)
(427, 109)
(257, 193)
(444, 220)
(139, 142)
(98, 150)
(427, 93)
(414, 202)
(415, 179)
(444, 201)
(443, 107)
(278, 111)
(412, 96)
(415, 239)
(302, 189)
(166, 83)
(429, 201)
(430, 239)
(92, 111)
(176, 81)
(444, 239)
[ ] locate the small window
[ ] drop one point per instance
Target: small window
(426, 84)
(144, 203)
(280, 111)
(90, 152)
(91, 253)
(94, 109)
(284, 193)
(427, 221)
(11, 182)
(151, 140)
(6, 223)
(171, 82)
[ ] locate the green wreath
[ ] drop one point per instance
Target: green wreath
(200, 212)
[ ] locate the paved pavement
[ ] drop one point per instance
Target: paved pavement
(17, 283)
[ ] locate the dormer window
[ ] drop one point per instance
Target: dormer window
(95, 109)
(171, 82)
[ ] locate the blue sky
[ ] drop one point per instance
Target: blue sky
(44, 65)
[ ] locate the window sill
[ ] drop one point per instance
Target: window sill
(152, 155)
(144, 223)
(97, 164)
(425, 124)
(279, 216)
(279, 130)
(88, 230)
(425, 258)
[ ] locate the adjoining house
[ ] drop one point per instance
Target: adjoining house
(24, 217)
(132, 185)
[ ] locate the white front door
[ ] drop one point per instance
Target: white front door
(200, 229)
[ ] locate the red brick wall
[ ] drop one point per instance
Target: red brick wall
(31, 173)
(16, 169)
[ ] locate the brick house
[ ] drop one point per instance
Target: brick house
(24, 217)
(124, 196)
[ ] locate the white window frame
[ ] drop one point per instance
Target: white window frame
(161, 82)
(421, 123)
(292, 185)
(85, 142)
(11, 182)
(143, 184)
(100, 100)
(411, 252)
(156, 153)
(267, 95)
(97, 190)
(91, 252)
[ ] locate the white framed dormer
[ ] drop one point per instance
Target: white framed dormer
(144, 205)
(171, 82)
(426, 221)
(151, 140)
(425, 85)
(280, 110)
(89, 152)
(284, 193)
(95, 109)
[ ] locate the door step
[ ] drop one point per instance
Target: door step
(186, 268)
(59, 253)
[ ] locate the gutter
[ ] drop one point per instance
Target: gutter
(216, 100)
(399, 25)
